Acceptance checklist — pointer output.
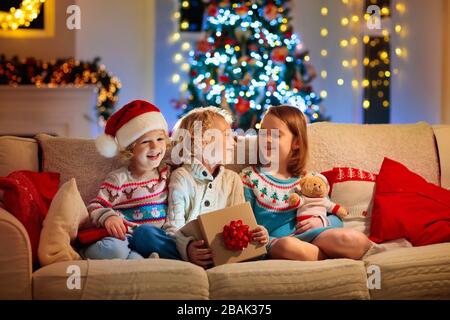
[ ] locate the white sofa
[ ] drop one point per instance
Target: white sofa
(407, 273)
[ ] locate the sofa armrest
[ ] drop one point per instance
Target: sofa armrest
(442, 134)
(15, 259)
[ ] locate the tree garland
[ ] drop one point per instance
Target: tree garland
(64, 72)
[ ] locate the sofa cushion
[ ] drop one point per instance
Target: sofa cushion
(18, 154)
(365, 147)
(353, 189)
(149, 279)
(413, 273)
(67, 212)
(442, 134)
(284, 280)
(76, 158)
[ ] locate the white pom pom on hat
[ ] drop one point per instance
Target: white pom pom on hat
(107, 146)
(127, 125)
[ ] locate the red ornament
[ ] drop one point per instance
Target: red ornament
(224, 3)
(271, 86)
(204, 46)
(231, 42)
(236, 235)
(242, 106)
(270, 12)
(279, 54)
(241, 11)
(224, 79)
(212, 10)
(297, 84)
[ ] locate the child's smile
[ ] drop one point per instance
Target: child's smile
(148, 152)
(153, 156)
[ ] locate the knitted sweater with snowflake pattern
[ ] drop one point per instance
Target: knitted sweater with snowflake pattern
(136, 200)
(269, 197)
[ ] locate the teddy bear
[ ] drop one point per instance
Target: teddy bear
(312, 199)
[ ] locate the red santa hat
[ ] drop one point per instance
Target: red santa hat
(127, 125)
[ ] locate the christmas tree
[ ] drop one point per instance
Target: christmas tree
(250, 59)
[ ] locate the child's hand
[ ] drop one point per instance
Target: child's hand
(308, 224)
(117, 227)
(260, 234)
(199, 255)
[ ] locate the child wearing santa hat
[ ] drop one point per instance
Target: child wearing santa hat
(132, 201)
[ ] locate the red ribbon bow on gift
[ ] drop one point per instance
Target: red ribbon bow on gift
(236, 235)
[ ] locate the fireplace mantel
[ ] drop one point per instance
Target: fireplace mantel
(63, 111)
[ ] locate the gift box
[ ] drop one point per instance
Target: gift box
(227, 233)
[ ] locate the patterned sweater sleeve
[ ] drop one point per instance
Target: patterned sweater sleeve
(101, 207)
(249, 195)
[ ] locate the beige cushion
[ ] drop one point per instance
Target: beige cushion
(153, 279)
(18, 154)
(66, 213)
(76, 158)
(413, 273)
(365, 146)
(354, 190)
(442, 134)
(279, 279)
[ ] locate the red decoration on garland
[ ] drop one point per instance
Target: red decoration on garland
(236, 235)
(64, 72)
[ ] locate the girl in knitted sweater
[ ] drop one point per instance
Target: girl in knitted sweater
(268, 191)
(132, 201)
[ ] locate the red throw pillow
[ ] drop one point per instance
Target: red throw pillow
(27, 196)
(407, 206)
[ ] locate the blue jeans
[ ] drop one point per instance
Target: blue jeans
(145, 240)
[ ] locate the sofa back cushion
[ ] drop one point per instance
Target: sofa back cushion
(365, 147)
(76, 158)
(331, 145)
(18, 154)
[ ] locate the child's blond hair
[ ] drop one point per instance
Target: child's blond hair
(207, 116)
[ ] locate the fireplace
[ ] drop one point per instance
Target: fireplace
(63, 111)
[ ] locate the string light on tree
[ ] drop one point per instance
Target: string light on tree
(248, 59)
